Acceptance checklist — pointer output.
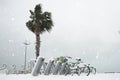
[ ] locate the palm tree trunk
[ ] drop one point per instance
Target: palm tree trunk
(37, 47)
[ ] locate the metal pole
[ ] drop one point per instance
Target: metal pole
(25, 43)
(25, 57)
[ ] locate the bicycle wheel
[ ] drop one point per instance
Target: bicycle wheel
(92, 70)
(67, 70)
(84, 71)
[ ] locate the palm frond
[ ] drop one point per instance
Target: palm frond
(32, 13)
(47, 22)
(32, 16)
(30, 25)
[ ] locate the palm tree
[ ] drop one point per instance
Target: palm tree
(40, 22)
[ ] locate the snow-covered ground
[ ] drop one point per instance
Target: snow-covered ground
(99, 76)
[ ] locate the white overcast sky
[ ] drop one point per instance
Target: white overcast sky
(82, 28)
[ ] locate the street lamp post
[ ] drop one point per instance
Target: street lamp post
(26, 44)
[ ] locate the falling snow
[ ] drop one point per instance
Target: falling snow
(13, 54)
(12, 19)
(97, 56)
(10, 41)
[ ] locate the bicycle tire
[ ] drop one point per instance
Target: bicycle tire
(84, 70)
